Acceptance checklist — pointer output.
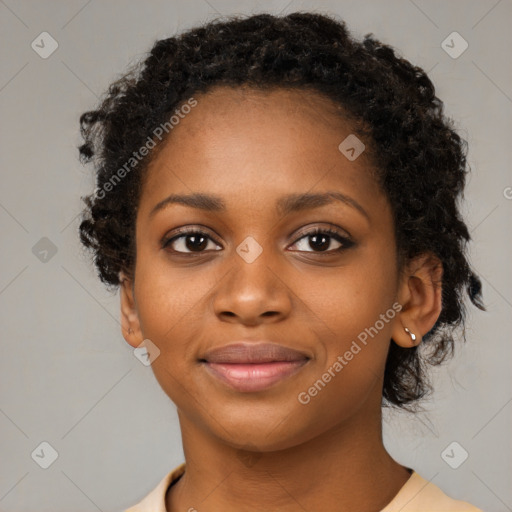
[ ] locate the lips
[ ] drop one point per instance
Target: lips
(250, 366)
(252, 352)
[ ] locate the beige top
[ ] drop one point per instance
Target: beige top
(417, 495)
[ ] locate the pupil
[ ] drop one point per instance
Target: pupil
(198, 242)
(323, 245)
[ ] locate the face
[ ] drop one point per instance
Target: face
(294, 245)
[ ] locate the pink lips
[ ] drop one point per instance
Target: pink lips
(250, 367)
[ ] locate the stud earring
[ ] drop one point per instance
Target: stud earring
(411, 334)
(130, 330)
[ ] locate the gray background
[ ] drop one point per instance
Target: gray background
(67, 377)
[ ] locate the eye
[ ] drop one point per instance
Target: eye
(321, 239)
(189, 240)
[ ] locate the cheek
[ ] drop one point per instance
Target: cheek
(168, 306)
(351, 298)
(165, 293)
(169, 310)
(355, 331)
(353, 319)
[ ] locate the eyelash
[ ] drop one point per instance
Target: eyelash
(345, 242)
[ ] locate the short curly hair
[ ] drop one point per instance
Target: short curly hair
(392, 103)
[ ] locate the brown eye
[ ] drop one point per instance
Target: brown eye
(321, 241)
(189, 241)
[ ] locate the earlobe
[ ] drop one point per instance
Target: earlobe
(405, 337)
(415, 340)
(420, 293)
(130, 325)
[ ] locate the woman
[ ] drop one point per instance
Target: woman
(277, 203)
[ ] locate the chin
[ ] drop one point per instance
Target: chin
(268, 431)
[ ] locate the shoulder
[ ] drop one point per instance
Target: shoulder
(417, 495)
(420, 495)
(155, 500)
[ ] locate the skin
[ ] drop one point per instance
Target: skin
(266, 450)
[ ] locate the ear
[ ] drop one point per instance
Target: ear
(420, 294)
(130, 324)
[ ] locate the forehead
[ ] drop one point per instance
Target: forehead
(238, 140)
(227, 100)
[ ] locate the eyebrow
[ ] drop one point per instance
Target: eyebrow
(285, 205)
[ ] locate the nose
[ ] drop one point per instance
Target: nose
(252, 293)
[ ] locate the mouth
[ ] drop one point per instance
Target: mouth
(251, 367)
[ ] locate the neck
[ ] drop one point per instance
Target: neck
(345, 468)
